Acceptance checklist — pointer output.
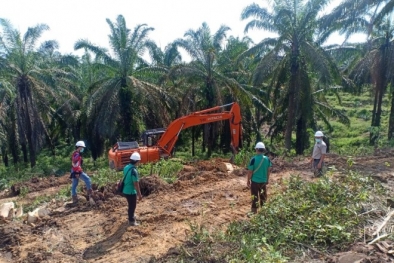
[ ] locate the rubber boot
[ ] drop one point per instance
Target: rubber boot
(75, 199)
(133, 223)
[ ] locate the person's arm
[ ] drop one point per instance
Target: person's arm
(321, 161)
(250, 172)
(137, 184)
(249, 178)
(137, 187)
(323, 154)
(269, 170)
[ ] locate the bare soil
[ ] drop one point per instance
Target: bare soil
(204, 194)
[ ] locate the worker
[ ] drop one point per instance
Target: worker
(318, 154)
(131, 188)
(77, 171)
(258, 177)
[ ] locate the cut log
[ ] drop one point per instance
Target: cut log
(5, 209)
(36, 214)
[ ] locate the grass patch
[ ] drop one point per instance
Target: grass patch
(105, 176)
(63, 194)
(326, 216)
(354, 140)
(166, 169)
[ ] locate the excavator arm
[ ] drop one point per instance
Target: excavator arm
(170, 136)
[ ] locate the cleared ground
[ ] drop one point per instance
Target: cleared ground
(207, 193)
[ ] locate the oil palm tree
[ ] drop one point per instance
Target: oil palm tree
(122, 96)
(24, 68)
(372, 64)
(291, 63)
(205, 72)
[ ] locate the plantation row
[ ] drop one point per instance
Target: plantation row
(286, 83)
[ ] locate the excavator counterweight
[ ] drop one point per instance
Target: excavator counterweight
(159, 143)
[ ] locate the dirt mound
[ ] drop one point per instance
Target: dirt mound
(38, 183)
(217, 166)
(210, 165)
(152, 184)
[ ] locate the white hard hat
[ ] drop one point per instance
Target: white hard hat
(319, 134)
(135, 156)
(260, 145)
(80, 144)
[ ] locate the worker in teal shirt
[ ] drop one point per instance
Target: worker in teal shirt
(258, 176)
(131, 188)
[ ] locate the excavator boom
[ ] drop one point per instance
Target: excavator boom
(119, 154)
(169, 138)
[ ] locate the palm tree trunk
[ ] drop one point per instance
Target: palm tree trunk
(209, 129)
(379, 91)
(77, 130)
(24, 152)
(32, 154)
(4, 156)
(375, 103)
(291, 108)
(126, 129)
(13, 139)
(305, 114)
(390, 134)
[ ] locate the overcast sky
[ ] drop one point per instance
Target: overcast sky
(70, 20)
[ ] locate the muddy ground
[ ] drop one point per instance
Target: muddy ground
(207, 193)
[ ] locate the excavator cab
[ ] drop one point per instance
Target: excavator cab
(151, 137)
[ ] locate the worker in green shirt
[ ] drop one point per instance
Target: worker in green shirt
(131, 188)
(258, 177)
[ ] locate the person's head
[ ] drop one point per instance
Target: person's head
(135, 158)
(260, 147)
(319, 136)
(80, 146)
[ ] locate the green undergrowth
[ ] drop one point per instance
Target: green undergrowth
(166, 169)
(47, 165)
(325, 215)
(354, 139)
(105, 176)
(243, 157)
(63, 194)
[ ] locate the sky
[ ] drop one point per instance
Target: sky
(71, 20)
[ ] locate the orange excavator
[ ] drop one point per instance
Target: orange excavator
(159, 143)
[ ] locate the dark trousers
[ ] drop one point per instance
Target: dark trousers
(259, 194)
(317, 172)
(132, 202)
